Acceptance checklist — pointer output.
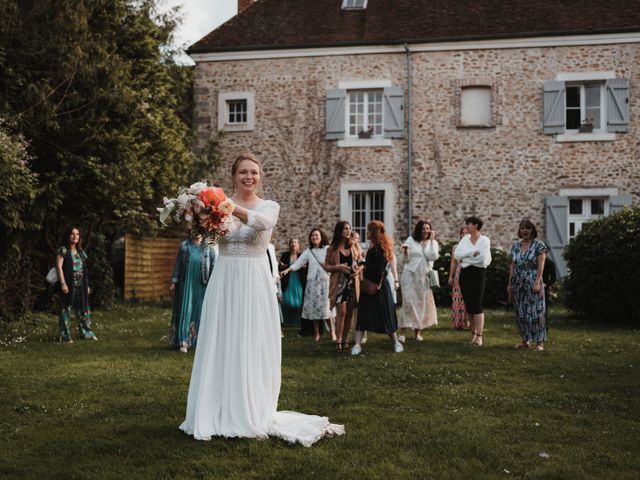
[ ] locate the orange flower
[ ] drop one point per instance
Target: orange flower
(212, 196)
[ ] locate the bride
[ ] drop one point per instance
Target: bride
(235, 382)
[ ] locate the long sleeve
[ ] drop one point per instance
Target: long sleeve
(265, 217)
(432, 250)
(484, 258)
(464, 249)
(301, 260)
(177, 265)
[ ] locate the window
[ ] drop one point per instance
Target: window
(362, 202)
(365, 114)
(475, 107)
(365, 206)
(236, 111)
(354, 4)
(584, 108)
(581, 210)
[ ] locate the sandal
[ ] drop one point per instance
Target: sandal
(338, 347)
(521, 345)
(539, 347)
(478, 337)
(473, 336)
(346, 346)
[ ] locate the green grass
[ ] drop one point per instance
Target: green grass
(441, 410)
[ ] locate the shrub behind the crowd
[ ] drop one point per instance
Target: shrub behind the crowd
(604, 268)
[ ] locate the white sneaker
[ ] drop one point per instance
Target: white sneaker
(356, 350)
(398, 348)
(401, 339)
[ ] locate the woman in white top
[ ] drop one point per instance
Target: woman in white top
(474, 254)
(235, 382)
(316, 294)
(418, 305)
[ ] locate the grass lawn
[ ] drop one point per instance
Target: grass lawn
(441, 410)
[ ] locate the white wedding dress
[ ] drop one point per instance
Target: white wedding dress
(235, 382)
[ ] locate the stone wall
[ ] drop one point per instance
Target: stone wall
(502, 173)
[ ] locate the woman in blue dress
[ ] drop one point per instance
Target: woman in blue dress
(292, 286)
(191, 273)
(525, 287)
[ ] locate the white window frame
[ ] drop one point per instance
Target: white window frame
(363, 85)
(345, 5)
(389, 199)
(585, 195)
(583, 106)
(223, 111)
(583, 78)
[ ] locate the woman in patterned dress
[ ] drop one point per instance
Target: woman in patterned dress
(460, 317)
(74, 283)
(344, 283)
(315, 307)
(525, 287)
(419, 252)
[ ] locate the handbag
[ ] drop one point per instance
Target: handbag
(434, 278)
(52, 276)
(370, 287)
(398, 297)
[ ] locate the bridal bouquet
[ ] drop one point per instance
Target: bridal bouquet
(206, 208)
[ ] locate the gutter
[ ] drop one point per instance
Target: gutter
(409, 145)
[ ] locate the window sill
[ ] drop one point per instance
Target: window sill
(585, 137)
(241, 127)
(365, 142)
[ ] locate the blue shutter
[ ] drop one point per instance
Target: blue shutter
(554, 107)
(618, 202)
(557, 230)
(393, 112)
(618, 105)
(335, 114)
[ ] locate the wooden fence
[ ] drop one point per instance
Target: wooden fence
(148, 265)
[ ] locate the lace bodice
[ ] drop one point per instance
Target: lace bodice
(252, 239)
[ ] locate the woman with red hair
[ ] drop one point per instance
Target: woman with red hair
(376, 310)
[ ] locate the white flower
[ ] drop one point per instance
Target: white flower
(197, 187)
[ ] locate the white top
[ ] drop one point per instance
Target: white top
(315, 267)
(465, 249)
(419, 254)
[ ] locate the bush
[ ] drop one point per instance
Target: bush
(604, 268)
(497, 273)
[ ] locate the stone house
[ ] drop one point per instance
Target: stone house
(400, 110)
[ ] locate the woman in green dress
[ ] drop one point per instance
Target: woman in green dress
(191, 273)
(74, 283)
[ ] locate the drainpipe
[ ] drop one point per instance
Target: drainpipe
(409, 145)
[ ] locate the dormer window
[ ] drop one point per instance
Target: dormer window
(354, 4)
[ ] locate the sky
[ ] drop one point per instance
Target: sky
(199, 18)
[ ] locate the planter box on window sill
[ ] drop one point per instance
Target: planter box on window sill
(585, 137)
(365, 142)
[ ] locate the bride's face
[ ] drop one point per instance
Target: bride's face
(247, 177)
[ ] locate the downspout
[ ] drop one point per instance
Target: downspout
(409, 146)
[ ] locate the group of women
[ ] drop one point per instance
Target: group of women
(235, 381)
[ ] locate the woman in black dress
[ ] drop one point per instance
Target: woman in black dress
(376, 311)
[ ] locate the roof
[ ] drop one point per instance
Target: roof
(271, 24)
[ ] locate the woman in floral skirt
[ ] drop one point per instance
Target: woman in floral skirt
(459, 313)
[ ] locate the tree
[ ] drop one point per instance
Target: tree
(93, 88)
